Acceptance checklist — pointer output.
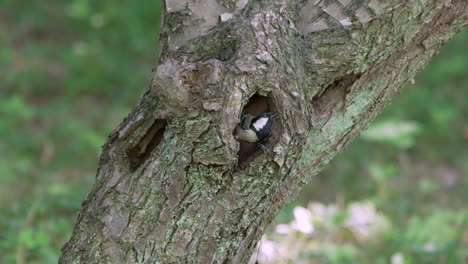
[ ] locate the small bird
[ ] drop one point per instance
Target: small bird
(255, 129)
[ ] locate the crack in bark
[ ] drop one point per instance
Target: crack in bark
(203, 229)
(332, 97)
(138, 154)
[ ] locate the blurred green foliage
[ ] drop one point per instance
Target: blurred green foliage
(71, 70)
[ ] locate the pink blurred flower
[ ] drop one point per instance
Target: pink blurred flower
(302, 220)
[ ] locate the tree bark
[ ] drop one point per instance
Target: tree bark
(171, 187)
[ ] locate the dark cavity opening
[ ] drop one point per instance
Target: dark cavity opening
(333, 97)
(138, 154)
(256, 105)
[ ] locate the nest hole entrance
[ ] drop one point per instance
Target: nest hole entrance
(256, 105)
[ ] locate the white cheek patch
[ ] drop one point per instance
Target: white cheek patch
(260, 123)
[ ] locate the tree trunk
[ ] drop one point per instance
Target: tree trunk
(172, 185)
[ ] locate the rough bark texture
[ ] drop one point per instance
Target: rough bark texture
(169, 188)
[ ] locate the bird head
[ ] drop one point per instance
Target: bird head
(246, 120)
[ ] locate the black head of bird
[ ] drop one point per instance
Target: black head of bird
(255, 129)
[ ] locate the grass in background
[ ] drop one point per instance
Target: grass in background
(71, 70)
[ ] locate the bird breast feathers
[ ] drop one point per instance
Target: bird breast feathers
(246, 135)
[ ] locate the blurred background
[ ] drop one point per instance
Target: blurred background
(72, 70)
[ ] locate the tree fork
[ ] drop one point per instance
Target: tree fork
(169, 187)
